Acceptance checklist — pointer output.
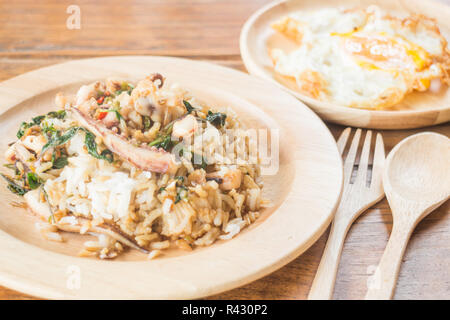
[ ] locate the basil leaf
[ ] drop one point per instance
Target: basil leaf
(182, 194)
(107, 155)
(60, 163)
(91, 146)
(37, 120)
(14, 187)
(22, 128)
(217, 119)
(188, 106)
(60, 114)
(33, 180)
(164, 142)
(89, 141)
(48, 130)
(24, 125)
(164, 139)
(56, 139)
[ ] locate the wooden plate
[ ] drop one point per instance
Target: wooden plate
(304, 193)
(417, 109)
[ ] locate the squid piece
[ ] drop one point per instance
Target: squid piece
(226, 178)
(185, 127)
(86, 92)
(149, 102)
(145, 158)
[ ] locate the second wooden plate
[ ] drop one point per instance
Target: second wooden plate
(415, 111)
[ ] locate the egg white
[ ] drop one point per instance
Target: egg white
(398, 58)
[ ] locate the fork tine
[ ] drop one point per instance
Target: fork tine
(351, 156)
(363, 167)
(342, 141)
(378, 162)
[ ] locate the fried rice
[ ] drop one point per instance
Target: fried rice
(137, 166)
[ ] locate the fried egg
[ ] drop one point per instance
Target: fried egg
(362, 58)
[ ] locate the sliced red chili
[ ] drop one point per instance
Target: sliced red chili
(100, 100)
(101, 115)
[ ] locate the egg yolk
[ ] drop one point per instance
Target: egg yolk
(386, 53)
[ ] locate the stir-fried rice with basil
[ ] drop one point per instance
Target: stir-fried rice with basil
(119, 161)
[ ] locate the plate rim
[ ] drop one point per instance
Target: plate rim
(254, 69)
(29, 284)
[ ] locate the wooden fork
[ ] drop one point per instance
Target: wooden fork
(359, 193)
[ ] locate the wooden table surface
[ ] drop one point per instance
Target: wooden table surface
(34, 34)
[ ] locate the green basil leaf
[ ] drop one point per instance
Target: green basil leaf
(37, 120)
(60, 114)
(217, 119)
(60, 163)
(57, 140)
(33, 180)
(164, 142)
(89, 140)
(188, 106)
(182, 194)
(14, 187)
(22, 128)
(91, 146)
(48, 130)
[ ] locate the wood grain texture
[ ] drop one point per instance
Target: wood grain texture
(362, 189)
(416, 180)
(169, 27)
(424, 273)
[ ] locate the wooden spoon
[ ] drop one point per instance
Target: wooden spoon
(416, 181)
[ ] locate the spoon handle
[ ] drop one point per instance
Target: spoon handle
(323, 284)
(382, 284)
